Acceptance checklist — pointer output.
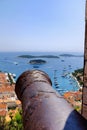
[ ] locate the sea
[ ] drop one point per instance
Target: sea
(58, 69)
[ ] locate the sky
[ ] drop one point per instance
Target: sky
(42, 25)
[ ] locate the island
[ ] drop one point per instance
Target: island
(70, 55)
(42, 56)
(37, 62)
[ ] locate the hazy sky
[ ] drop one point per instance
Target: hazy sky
(42, 25)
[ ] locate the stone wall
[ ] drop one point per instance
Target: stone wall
(84, 97)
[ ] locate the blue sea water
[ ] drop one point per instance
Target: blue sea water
(58, 69)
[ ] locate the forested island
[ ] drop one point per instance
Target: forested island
(37, 61)
(70, 55)
(42, 56)
(49, 56)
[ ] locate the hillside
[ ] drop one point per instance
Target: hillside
(75, 98)
(79, 75)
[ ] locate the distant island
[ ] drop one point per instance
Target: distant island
(42, 56)
(70, 55)
(49, 56)
(38, 61)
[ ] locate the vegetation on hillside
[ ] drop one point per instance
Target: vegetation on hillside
(79, 75)
(75, 98)
(15, 122)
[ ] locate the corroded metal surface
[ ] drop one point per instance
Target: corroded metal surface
(43, 107)
(29, 77)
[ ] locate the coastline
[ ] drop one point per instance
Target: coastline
(79, 86)
(75, 98)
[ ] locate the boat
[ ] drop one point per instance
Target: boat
(35, 66)
(14, 75)
(16, 63)
(62, 60)
(64, 75)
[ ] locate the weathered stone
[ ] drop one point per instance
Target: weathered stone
(85, 95)
(84, 111)
(84, 101)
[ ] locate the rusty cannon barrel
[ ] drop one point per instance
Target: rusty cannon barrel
(43, 108)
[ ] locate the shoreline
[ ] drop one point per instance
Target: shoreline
(79, 86)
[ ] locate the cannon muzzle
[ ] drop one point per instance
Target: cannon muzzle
(43, 108)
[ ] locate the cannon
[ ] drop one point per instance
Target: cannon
(43, 107)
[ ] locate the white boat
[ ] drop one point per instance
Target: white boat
(16, 63)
